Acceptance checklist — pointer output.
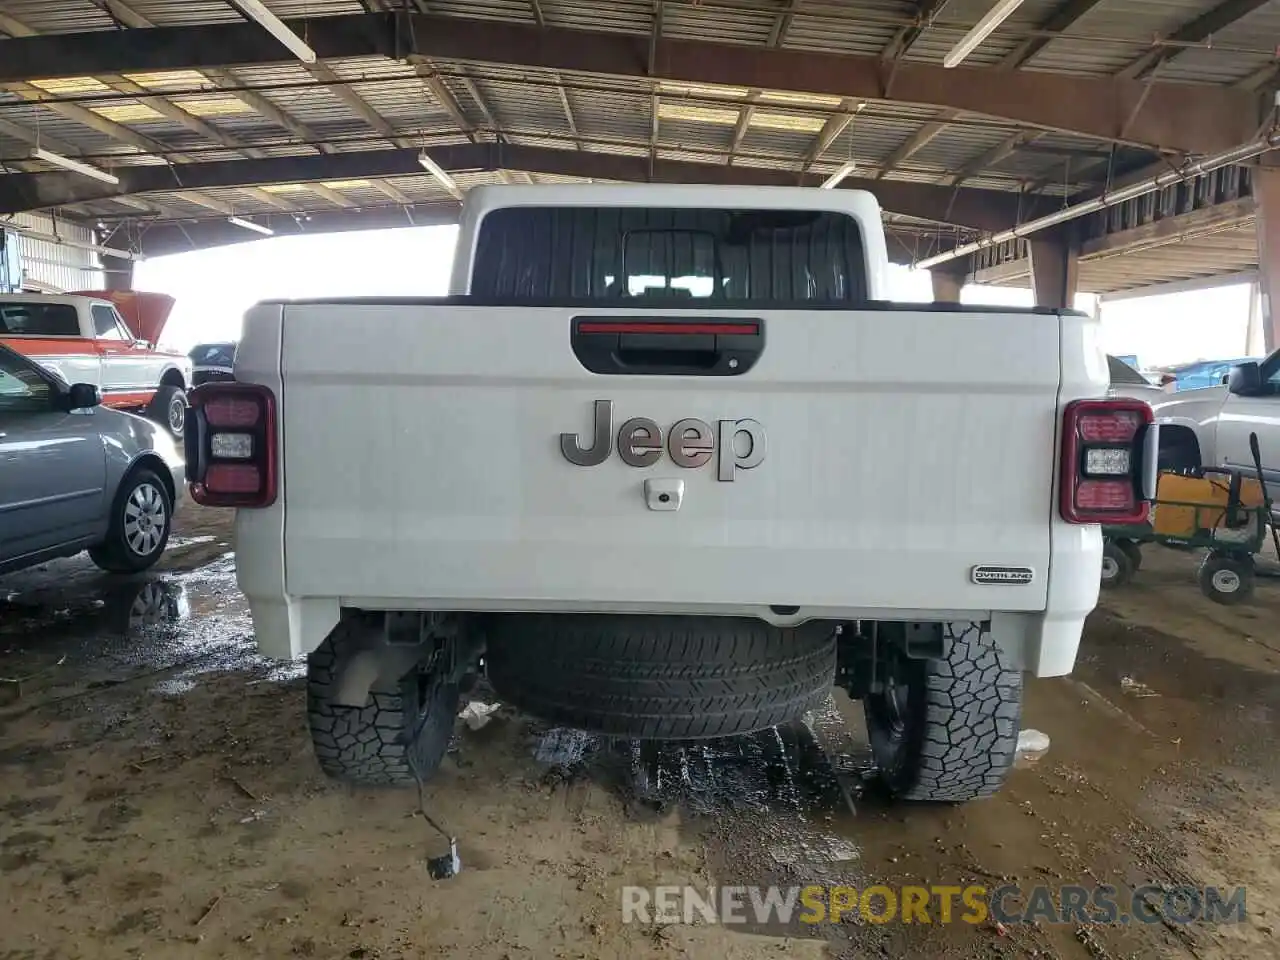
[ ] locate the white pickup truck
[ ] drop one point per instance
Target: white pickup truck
(666, 465)
(1210, 427)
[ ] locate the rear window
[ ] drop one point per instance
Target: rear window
(669, 254)
(214, 354)
(39, 320)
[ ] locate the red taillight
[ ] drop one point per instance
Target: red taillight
(1120, 426)
(1103, 461)
(233, 478)
(232, 411)
(231, 445)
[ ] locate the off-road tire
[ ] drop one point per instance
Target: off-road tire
(114, 554)
(959, 730)
(660, 677)
(168, 408)
(395, 735)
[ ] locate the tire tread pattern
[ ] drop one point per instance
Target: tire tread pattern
(972, 706)
(660, 677)
(380, 743)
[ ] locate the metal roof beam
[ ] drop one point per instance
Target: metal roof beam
(129, 17)
(831, 130)
(905, 36)
(979, 209)
(1062, 19)
(1200, 29)
(777, 37)
(988, 158)
(126, 16)
(1176, 117)
(165, 237)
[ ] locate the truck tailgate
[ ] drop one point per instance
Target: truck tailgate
(905, 447)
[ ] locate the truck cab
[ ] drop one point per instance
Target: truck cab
(667, 465)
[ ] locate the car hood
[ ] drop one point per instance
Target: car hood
(1174, 402)
(145, 313)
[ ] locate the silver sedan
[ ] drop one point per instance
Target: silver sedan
(75, 475)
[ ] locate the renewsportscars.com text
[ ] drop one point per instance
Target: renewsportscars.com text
(880, 903)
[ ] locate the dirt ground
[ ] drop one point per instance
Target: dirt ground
(158, 798)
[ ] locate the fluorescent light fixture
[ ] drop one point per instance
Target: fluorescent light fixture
(269, 22)
(980, 31)
(834, 180)
(75, 166)
(438, 172)
(250, 225)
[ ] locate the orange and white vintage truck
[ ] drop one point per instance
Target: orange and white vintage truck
(107, 338)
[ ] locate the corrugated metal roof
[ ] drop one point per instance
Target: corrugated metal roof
(1117, 32)
(58, 16)
(613, 115)
(957, 16)
(1259, 30)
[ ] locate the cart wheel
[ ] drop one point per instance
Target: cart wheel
(1133, 552)
(1117, 566)
(1226, 579)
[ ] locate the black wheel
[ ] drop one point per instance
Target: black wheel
(401, 734)
(1226, 580)
(1117, 565)
(946, 729)
(660, 677)
(1133, 551)
(169, 409)
(141, 516)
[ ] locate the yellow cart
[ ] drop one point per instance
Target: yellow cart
(1222, 511)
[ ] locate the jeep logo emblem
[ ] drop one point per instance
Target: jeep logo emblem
(735, 444)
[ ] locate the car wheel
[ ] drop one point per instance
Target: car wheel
(169, 409)
(141, 517)
(1117, 565)
(1226, 580)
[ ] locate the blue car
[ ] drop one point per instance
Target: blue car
(1204, 373)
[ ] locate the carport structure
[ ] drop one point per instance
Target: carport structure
(173, 126)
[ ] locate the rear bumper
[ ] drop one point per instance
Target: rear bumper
(1042, 643)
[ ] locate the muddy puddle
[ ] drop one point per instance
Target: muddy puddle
(162, 630)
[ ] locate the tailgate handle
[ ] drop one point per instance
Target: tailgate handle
(684, 346)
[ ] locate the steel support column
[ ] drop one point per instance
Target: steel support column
(1055, 271)
(118, 273)
(947, 285)
(1266, 192)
